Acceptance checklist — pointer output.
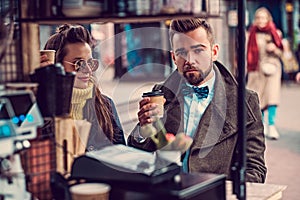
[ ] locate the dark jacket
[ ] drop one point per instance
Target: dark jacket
(215, 140)
(97, 139)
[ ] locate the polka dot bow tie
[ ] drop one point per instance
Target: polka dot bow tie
(201, 92)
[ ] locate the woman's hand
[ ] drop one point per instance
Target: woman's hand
(44, 60)
(271, 47)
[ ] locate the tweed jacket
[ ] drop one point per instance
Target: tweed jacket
(215, 140)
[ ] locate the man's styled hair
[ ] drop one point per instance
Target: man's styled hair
(187, 25)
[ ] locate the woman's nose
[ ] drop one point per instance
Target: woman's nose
(90, 69)
(87, 69)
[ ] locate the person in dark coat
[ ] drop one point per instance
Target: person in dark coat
(202, 101)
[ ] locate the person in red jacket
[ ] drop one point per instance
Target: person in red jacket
(264, 66)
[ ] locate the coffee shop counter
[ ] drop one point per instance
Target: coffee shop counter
(191, 186)
(176, 185)
(195, 186)
(258, 191)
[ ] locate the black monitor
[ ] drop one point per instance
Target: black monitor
(19, 110)
(21, 103)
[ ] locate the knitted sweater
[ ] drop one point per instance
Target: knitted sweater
(79, 98)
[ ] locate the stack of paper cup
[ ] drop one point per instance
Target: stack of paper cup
(90, 191)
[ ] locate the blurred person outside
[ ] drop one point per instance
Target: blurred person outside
(73, 46)
(297, 77)
(264, 67)
(201, 101)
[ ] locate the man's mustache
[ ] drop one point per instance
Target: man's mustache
(188, 67)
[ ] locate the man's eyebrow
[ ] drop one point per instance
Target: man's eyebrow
(180, 49)
(198, 45)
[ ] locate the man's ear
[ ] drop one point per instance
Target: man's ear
(173, 57)
(215, 52)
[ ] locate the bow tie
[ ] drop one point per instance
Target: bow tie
(201, 92)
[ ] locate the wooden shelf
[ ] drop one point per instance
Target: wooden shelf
(114, 19)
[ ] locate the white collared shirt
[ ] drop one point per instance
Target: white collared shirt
(193, 111)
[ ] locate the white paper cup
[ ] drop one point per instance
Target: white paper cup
(90, 191)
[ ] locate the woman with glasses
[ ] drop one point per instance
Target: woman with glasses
(73, 46)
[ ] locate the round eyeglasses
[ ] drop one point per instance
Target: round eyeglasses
(81, 65)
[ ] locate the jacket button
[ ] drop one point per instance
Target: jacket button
(91, 148)
(225, 130)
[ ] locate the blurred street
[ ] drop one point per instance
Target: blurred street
(282, 156)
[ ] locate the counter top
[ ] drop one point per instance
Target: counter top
(258, 191)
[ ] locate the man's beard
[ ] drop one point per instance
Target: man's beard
(197, 76)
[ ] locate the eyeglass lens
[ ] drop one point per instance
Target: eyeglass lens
(81, 65)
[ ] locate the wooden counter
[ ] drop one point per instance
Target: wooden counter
(191, 186)
(258, 191)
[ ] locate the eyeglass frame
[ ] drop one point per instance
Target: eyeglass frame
(86, 63)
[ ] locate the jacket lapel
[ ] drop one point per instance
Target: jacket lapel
(214, 121)
(174, 103)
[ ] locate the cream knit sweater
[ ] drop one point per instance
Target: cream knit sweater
(79, 98)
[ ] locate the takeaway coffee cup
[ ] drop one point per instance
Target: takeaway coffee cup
(156, 96)
(50, 55)
(90, 191)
